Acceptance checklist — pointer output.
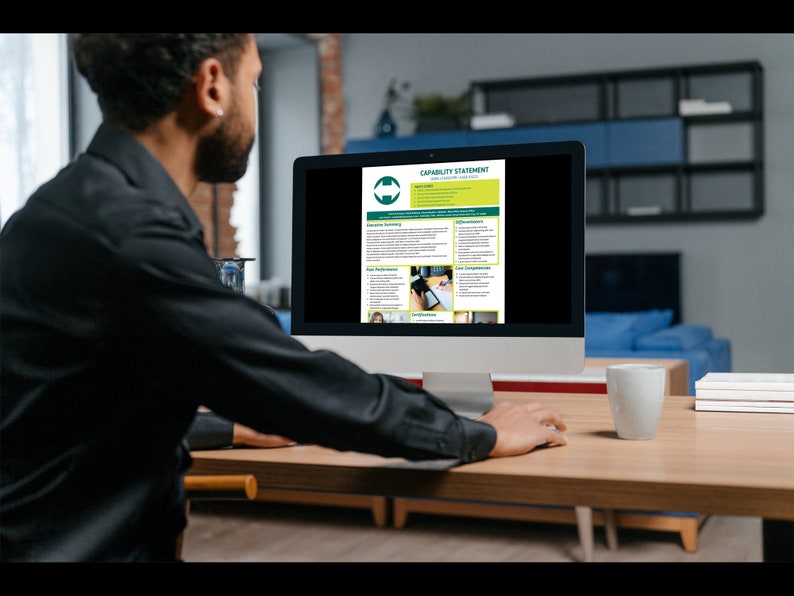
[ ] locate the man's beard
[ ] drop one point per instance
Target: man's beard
(223, 155)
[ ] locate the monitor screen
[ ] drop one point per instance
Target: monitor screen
(469, 259)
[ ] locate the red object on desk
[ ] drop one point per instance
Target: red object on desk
(541, 386)
(550, 387)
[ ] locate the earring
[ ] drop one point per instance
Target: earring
(220, 112)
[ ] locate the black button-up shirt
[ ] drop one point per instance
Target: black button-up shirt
(115, 328)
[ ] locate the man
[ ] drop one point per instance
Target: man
(116, 327)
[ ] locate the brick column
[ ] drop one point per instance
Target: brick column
(202, 203)
(329, 46)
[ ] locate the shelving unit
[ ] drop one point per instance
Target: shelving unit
(649, 158)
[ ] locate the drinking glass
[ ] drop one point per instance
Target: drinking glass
(231, 272)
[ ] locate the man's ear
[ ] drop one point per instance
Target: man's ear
(211, 87)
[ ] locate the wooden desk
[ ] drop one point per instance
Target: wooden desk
(724, 463)
(593, 379)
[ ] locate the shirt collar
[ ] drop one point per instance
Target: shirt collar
(141, 168)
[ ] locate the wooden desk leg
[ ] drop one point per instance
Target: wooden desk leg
(380, 511)
(584, 524)
(400, 513)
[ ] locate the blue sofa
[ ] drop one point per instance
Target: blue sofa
(651, 334)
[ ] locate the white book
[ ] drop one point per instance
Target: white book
(744, 406)
(747, 381)
(728, 403)
(745, 394)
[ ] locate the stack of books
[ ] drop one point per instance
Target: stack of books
(745, 392)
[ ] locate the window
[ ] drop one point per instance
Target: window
(34, 129)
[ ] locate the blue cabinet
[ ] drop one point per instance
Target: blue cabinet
(673, 143)
(654, 141)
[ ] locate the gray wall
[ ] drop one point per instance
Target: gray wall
(290, 127)
(738, 277)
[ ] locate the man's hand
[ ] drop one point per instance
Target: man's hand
(522, 427)
(244, 436)
(417, 300)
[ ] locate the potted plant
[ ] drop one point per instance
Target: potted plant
(435, 112)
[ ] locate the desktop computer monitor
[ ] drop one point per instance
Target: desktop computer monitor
(491, 238)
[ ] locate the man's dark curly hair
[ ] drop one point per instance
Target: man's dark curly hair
(141, 77)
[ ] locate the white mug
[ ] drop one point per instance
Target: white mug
(636, 396)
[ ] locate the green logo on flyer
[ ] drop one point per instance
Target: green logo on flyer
(387, 190)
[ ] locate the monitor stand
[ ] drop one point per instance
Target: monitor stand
(468, 394)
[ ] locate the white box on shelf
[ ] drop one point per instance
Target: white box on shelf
(699, 107)
(497, 120)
